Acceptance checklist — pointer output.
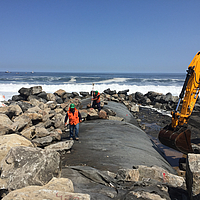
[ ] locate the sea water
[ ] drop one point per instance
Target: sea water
(11, 82)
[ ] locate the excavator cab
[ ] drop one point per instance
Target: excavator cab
(177, 135)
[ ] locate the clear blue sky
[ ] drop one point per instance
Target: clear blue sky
(98, 35)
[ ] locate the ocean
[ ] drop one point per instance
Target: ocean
(11, 82)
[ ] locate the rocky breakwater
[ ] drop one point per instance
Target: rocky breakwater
(31, 135)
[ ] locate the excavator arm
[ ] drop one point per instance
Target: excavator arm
(176, 135)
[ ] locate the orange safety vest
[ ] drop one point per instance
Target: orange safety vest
(73, 118)
(98, 100)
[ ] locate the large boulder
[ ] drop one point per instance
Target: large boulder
(21, 122)
(25, 92)
(44, 141)
(24, 166)
(60, 92)
(55, 189)
(12, 110)
(58, 120)
(142, 172)
(61, 146)
(36, 90)
(193, 176)
(12, 140)
(5, 124)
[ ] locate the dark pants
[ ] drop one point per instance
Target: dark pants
(72, 128)
(98, 105)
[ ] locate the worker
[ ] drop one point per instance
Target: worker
(74, 118)
(96, 100)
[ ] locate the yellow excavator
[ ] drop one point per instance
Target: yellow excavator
(177, 135)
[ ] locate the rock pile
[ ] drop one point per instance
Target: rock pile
(31, 126)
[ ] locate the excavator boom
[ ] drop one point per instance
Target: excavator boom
(176, 135)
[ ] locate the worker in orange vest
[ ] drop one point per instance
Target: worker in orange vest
(74, 118)
(96, 100)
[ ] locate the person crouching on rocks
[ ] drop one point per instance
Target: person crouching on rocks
(96, 100)
(74, 118)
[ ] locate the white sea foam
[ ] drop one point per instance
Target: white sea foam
(114, 80)
(12, 89)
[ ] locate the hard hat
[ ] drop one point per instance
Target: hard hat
(72, 106)
(96, 92)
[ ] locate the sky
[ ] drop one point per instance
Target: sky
(126, 36)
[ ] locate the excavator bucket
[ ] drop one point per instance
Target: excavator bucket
(178, 138)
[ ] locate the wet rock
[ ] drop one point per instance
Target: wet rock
(43, 95)
(84, 94)
(108, 91)
(123, 92)
(75, 94)
(25, 92)
(18, 98)
(139, 96)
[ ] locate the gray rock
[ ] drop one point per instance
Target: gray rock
(58, 120)
(52, 105)
(51, 97)
(139, 96)
(25, 92)
(60, 92)
(110, 112)
(43, 95)
(29, 133)
(108, 91)
(11, 110)
(193, 175)
(134, 108)
(21, 122)
(24, 166)
(41, 132)
(18, 98)
(36, 90)
(42, 142)
(36, 97)
(84, 94)
(61, 146)
(75, 94)
(123, 92)
(24, 105)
